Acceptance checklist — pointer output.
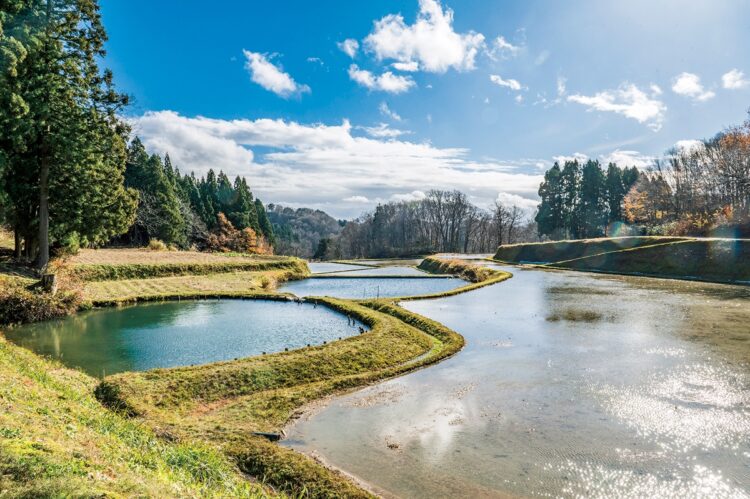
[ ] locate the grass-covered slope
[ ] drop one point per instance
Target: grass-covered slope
(223, 403)
(56, 440)
(557, 251)
(717, 260)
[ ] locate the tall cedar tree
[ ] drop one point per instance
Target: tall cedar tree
(63, 146)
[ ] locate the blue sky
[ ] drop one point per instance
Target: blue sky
(477, 95)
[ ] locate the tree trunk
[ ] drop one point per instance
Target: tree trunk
(43, 256)
(18, 247)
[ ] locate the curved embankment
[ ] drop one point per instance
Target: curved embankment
(714, 260)
(224, 403)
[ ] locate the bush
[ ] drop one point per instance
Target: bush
(156, 245)
(19, 304)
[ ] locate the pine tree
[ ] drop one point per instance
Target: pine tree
(62, 141)
(549, 215)
(592, 214)
(615, 193)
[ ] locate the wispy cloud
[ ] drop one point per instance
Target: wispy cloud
(629, 101)
(387, 111)
(384, 131)
(267, 75)
(509, 83)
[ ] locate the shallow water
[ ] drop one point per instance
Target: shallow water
(323, 267)
(571, 385)
(388, 270)
(369, 287)
(180, 333)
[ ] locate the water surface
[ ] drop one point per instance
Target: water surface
(571, 385)
(141, 337)
(323, 267)
(369, 287)
(386, 271)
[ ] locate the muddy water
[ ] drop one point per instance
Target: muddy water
(571, 385)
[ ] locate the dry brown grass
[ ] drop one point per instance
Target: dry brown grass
(6, 239)
(144, 289)
(134, 256)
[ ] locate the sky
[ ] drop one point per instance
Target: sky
(341, 105)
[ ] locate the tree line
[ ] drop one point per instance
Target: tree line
(582, 200)
(698, 190)
(67, 174)
(444, 221)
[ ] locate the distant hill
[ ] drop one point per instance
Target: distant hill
(298, 231)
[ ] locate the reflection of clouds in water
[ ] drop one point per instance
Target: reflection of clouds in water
(599, 481)
(697, 406)
(200, 314)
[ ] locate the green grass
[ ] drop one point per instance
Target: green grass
(223, 403)
(56, 440)
(557, 251)
(725, 261)
(104, 272)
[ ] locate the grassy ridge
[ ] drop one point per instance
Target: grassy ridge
(56, 440)
(104, 272)
(708, 260)
(557, 251)
(478, 275)
(223, 403)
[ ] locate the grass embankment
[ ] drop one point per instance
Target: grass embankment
(557, 251)
(223, 403)
(715, 260)
(57, 440)
(477, 275)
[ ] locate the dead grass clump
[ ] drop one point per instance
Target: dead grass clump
(575, 315)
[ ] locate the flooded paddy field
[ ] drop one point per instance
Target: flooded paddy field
(370, 287)
(570, 385)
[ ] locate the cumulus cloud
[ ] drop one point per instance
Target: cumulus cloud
(528, 205)
(734, 80)
(315, 164)
(415, 195)
(576, 156)
(410, 66)
(431, 42)
(629, 101)
(386, 82)
(267, 75)
(627, 158)
(688, 145)
(510, 83)
(689, 85)
(387, 111)
(350, 46)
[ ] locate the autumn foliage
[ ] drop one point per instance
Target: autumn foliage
(226, 238)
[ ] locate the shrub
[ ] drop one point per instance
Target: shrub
(156, 245)
(19, 304)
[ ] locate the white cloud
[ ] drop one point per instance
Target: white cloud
(409, 196)
(627, 158)
(689, 85)
(502, 48)
(519, 98)
(316, 60)
(629, 101)
(430, 42)
(410, 66)
(386, 82)
(576, 156)
(350, 46)
(734, 80)
(510, 83)
(387, 111)
(688, 145)
(382, 130)
(356, 199)
(529, 206)
(270, 77)
(314, 165)
(561, 88)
